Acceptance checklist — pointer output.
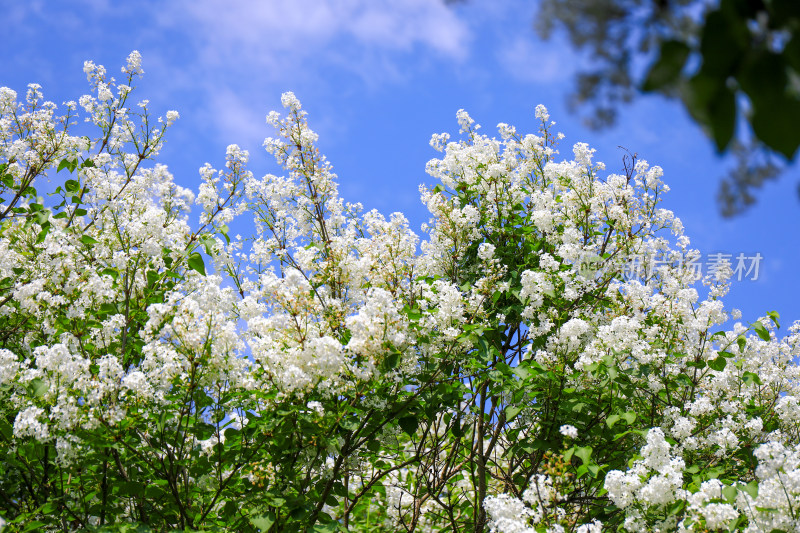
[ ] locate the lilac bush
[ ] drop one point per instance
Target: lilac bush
(334, 372)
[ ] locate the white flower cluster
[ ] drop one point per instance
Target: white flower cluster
(655, 480)
(539, 506)
(509, 331)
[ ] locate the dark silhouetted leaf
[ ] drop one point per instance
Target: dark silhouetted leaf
(409, 424)
(667, 69)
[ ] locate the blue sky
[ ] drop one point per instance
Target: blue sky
(378, 77)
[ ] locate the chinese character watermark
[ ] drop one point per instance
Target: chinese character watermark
(752, 269)
(741, 267)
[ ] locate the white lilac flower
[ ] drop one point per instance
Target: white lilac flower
(569, 431)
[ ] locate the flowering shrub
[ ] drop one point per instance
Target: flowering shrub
(333, 373)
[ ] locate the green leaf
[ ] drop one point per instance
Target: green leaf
(750, 378)
(751, 489)
(522, 372)
(730, 493)
(209, 243)
(413, 313)
(85, 239)
(774, 123)
(791, 52)
(349, 424)
(6, 429)
(714, 472)
(723, 42)
(72, 186)
(65, 163)
(162, 420)
(484, 350)
(568, 454)
(761, 331)
(698, 93)
(611, 420)
(409, 424)
(718, 364)
(775, 317)
(578, 407)
(152, 278)
(511, 412)
(196, 263)
(667, 69)
(741, 340)
(43, 234)
(391, 361)
(763, 77)
(37, 387)
(584, 453)
(263, 522)
(722, 118)
(130, 488)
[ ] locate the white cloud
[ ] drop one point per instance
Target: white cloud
(277, 32)
(238, 122)
(400, 25)
(236, 50)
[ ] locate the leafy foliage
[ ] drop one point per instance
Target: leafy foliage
(731, 62)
